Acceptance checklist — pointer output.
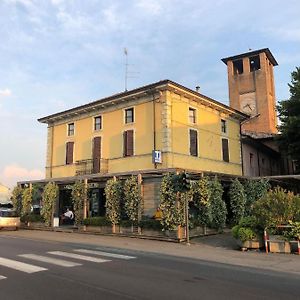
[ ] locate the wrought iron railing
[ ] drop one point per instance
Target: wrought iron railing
(87, 166)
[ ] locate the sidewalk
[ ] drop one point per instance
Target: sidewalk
(218, 248)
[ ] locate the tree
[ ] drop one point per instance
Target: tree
(79, 193)
(218, 206)
(289, 115)
(17, 198)
(50, 194)
(237, 200)
(114, 193)
(133, 199)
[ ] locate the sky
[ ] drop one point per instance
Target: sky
(57, 54)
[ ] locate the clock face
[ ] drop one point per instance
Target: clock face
(248, 106)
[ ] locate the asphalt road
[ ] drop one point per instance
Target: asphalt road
(31, 269)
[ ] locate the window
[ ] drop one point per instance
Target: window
(128, 143)
(251, 156)
(225, 150)
(254, 63)
(71, 128)
(129, 116)
(69, 153)
(238, 66)
(223, 126)
(192, 115)
(193, 142)
(98, 123)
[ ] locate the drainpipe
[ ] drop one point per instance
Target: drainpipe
(155, 99)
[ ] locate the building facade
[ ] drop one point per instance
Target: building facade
(156, 127)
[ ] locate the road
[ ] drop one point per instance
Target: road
(35, 269)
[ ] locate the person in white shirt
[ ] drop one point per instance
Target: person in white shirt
(67, 216)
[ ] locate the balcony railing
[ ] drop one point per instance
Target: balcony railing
(88, 166)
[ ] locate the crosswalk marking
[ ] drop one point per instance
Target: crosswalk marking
(20, 266)
(78, 256)
(114, 255)
(2, 277)
(51, 260)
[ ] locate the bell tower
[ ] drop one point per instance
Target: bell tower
(251, 89)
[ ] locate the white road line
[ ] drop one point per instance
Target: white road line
(114, 255)
(51, 260)
(78, 256)
(2, 277)
(20, 266)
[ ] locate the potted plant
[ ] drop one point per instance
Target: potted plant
(248, 234)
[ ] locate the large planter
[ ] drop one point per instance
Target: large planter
(279, 246)
(294, 246)
(250, 244)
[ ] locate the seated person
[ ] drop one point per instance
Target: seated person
(67, 217)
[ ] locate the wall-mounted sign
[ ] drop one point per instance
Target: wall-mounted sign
(156, 157)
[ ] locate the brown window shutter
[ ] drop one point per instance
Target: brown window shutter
(69, 152)
(96, 154)
(128, 143)
(225, 150)
(193, 143)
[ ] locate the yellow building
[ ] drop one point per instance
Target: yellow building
(119, 134)
(4, 194)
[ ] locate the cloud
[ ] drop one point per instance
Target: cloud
(5, 93)
(13, 173)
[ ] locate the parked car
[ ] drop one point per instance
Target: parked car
(9, 218)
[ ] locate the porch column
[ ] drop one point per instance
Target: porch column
(85, 199)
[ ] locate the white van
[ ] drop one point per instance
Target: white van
(9, 218)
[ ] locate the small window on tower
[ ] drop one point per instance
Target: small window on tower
(238, 66)
(254, 63)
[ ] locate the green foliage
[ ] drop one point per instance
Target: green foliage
(133, 199)
(201, 197)
(26, 201)
(289, 115)
(114, 194)
(97, 221)
(171, 206)
(32, 218)
(218, 206)
(254, 190)
(17, 199)
(49, 197)
(78, 194)
(277, 207)
(237, 200)
(294, 232)
(247, 229)
(153, 224)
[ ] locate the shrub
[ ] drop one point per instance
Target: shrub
(17, 199)
(246, 234)
(247, 229)
(32, 218)
(26, 201)
(79, 193)
(150, 224)
(277, 207)
(97, 221)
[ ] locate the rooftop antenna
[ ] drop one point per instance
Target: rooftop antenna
(126, 67)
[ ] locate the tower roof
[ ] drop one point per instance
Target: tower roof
(252, 53)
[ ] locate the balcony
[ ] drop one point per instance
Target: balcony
(89, 166)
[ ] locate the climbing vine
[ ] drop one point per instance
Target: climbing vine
(114, 193)
(78, 194)
(49, 197)
(237, 200)
(26, 201)
(133, 200)
(17, 198)
(171, 205)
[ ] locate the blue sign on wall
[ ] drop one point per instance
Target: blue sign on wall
(156, 157)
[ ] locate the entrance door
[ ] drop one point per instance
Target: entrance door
(96, 154)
